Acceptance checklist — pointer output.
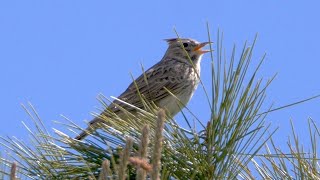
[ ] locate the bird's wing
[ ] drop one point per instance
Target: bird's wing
(151, 85)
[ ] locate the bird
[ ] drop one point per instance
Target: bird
(178, 72)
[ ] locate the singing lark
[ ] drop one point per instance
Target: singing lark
(178, 72)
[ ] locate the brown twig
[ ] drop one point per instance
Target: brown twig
(13, 171)
(105, 170)
(124, 159)
(143, 153)
(156, 160)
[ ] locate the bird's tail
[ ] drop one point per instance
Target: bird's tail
(92, 126)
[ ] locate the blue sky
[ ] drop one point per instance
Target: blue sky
(59, 55)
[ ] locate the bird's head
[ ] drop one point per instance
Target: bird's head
(185, 49)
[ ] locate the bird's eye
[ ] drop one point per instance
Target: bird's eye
(185, 45)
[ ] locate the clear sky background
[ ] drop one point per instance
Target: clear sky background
(59, 55)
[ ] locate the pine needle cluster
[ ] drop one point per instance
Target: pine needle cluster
(235, 143)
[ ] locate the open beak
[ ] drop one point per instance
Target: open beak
(201, 45)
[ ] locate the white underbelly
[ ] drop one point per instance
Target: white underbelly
(173, 105)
